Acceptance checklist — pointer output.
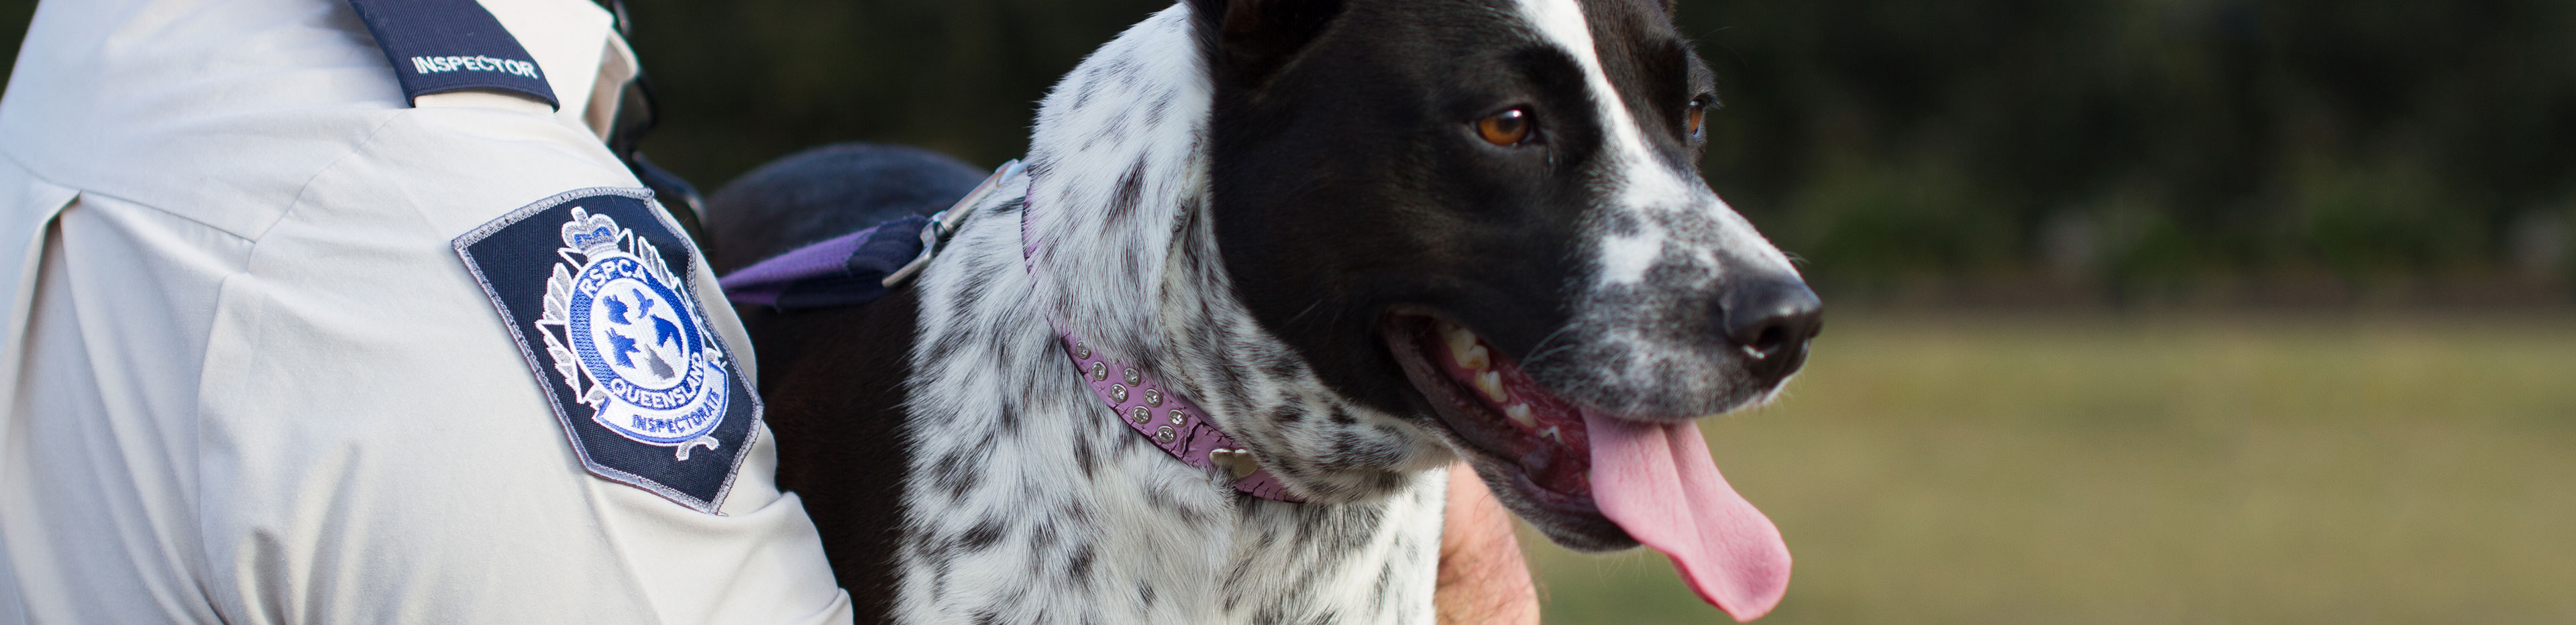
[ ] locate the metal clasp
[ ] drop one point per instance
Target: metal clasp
(943, 224)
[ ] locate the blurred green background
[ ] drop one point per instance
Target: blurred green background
(2255, 468)
(2285, 152)
(2145, 311)
(2313, 153)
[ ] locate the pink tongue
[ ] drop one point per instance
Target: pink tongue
(1657, 482)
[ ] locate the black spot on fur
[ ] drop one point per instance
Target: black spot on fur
(1388, 481)
(1385, 580)
(1231, 385)
(1131, 264)
(956, 474)
(1622, 224)
(1086, 459)
(1108, 132)
(1161, 501)
(983, 535)
(938, 577)
(1078, 568)
(1280, 365)
(972, 287)
(1270, 614)
(1044, 536)
(1075, 511)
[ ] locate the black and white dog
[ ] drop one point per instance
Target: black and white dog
(1368, 238)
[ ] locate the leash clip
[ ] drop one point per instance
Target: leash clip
(943, 224)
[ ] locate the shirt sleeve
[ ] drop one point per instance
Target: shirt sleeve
(377, 447)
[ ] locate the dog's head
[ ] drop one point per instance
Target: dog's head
(1406, 228)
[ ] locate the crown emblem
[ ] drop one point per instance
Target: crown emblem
(592, 234)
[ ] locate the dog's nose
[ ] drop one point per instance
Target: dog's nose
(1771, 320)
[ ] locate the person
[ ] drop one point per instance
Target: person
(360, 311)
(251, 378)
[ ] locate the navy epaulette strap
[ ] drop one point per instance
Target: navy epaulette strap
(437, 46)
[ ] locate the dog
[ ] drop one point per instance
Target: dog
(1367, 238)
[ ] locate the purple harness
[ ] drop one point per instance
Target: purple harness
(862, 266)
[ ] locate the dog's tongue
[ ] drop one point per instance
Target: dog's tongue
(1657, 482)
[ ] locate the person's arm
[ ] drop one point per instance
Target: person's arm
(1482, 578)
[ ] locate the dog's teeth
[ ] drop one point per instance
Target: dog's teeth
(1520, 413)
(1551, 434)
(1473, 358)
(1459, 338)
(1465, 349)
(1491, 384)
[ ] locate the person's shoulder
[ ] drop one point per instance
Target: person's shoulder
(449, 169)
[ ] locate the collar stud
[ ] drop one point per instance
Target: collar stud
(1237, 463)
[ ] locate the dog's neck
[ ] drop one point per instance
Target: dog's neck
(1118, 163)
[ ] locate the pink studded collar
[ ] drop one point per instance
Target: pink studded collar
(1171, 421)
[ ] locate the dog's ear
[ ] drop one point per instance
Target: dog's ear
(1248, 40)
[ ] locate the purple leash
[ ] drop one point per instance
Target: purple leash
(862, 266)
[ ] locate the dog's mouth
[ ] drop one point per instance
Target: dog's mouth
(1498, 412)
(1592, 480)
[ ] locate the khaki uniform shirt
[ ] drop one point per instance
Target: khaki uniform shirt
(246, 378)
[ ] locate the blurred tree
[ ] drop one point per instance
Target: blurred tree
(745, 82)
(1880, 139)
(2366, 135)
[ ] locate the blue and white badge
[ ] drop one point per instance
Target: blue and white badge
(647, 369)
(645, 389)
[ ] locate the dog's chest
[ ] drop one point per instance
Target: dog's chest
(1027, 502)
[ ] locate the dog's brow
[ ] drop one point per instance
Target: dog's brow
(1702, 77)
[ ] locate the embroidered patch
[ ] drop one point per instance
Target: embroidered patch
(646, 391)
(437, 46)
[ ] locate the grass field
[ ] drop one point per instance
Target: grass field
(2208, 469)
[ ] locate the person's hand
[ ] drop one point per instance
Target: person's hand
(1482, 577)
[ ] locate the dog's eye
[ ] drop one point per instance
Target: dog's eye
(1696, 117)
(1507, 128)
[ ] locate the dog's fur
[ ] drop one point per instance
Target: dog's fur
(1248, 198)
